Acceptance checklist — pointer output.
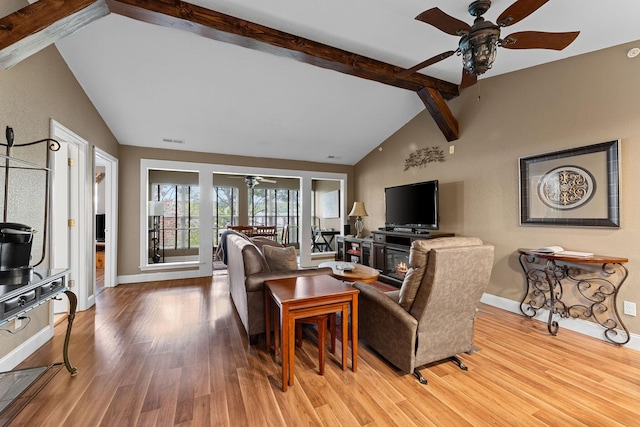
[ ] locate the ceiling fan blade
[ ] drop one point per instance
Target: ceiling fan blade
(267, 180)
(423, 64)
(444, 22)
(539, 40)
(467, 79)
(518, 11)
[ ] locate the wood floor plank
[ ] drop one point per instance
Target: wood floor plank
(513, 411)
(202, 411)
(220, 411)
(174, 353)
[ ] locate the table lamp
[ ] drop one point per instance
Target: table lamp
(358, 211)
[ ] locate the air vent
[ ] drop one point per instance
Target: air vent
(172, 141)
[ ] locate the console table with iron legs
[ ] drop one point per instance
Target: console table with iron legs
(591, 282)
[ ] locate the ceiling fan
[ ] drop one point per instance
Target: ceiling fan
(252, 180)
(479, 42)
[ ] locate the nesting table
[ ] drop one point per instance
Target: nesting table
(300, 297)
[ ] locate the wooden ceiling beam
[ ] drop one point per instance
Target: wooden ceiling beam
(440, 112)
(229, 29)
(40, 24)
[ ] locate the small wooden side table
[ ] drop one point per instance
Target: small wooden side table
(358, 272)
(300, 297)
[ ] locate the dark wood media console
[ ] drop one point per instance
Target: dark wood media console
(390, 253)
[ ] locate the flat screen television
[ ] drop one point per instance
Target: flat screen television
(100, 227)
(412, 206)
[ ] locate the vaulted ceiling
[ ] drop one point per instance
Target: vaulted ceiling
(286, 79)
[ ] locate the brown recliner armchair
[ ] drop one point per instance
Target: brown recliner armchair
(431, 317)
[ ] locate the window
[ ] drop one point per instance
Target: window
(275, 206)
(180, 224)
(225, 210)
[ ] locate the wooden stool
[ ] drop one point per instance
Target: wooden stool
(321, 322)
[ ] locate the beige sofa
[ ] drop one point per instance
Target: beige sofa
(248, 269)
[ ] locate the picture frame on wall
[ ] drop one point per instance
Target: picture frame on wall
(577, 187)
(331, 204)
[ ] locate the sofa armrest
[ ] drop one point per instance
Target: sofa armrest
(255, 282)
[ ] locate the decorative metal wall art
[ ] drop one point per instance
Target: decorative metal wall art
(423, 156)
(574, 187)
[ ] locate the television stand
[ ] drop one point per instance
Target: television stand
(391, 252)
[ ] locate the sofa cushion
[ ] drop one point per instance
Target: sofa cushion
(252, 258)
(418, 257)
(280, 259)
(261, 242)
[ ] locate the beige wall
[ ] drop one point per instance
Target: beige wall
(580, 101)
(129, 206)
(35, 91)
(41, 88)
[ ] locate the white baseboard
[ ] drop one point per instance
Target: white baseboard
(154, 277)
(24, 350)
(577, 325)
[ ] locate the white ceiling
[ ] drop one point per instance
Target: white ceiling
(150, 82)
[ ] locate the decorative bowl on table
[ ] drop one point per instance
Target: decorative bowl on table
(344, 266)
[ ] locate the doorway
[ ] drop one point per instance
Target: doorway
(68, 214)
(73, 217)
(105, 204)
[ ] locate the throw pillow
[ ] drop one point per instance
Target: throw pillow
(261, 242)
(280, 259)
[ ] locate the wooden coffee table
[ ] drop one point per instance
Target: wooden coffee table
(358, 273)
(300, 297)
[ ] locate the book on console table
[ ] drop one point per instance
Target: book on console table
(558, 250)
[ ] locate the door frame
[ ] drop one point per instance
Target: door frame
(78, 239)
(111, 219)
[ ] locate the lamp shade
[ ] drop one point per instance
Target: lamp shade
(358, 209)
(156, 208)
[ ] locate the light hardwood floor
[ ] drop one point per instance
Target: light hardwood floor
(174, 353)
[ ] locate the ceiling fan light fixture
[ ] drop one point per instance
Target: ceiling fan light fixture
(479, 49)
(251, 181)
(479, 42)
